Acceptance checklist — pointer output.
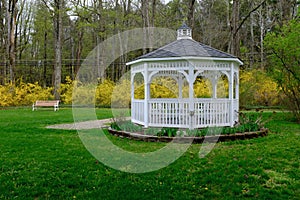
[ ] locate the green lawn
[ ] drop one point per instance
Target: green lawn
(40, 163)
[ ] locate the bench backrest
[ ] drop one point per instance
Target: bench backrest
(47, 103)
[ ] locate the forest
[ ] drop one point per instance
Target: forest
(44, 42)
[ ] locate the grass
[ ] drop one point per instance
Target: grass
(40, 163)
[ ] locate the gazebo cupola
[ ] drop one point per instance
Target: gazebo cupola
(186, 60)
(184, 32)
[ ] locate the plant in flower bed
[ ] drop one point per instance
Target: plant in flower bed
(126, 126)
(172, 132)
(249, 122)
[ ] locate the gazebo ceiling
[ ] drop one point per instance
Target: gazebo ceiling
(186, 48)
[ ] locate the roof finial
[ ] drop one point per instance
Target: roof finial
(184, 32)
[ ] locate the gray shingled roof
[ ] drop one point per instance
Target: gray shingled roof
(186, 48)
(184, 26)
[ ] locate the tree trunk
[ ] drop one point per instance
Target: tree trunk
(262, 34)
(2, 41)
(235, 35)
(191, 20)
(153, 13)
(45, 60)
(12, 17)
(251, 58)
(79, 51)
(58, 26)
(146, 23)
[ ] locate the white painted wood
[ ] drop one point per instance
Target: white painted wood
(190, 58)
(46, 103)
(176, 112)
(186, 112)
(191, 112)
(147, 95)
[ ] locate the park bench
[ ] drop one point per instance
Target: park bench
(47, 103)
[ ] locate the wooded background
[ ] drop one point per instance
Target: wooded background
(46, 40)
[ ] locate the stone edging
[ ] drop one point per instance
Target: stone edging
(196, 140)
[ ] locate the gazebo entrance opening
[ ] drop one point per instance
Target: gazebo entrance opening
(188, 62)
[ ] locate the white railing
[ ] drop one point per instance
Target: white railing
(177, 112)
(137, 111)
(211, 112)
(236, 110)
(169, 113)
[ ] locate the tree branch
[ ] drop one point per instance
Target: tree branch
(244, 20)
(285, 65)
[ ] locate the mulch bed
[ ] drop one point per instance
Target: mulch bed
(196, 140)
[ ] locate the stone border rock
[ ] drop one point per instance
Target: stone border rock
(196, 140)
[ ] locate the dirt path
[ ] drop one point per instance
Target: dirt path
(83, 125)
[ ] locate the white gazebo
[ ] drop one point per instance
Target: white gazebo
(184, 60)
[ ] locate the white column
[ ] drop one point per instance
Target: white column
(180, 83)
(231, 98)
(214, 82)
(237, 95)
(191, 96)
(147, 95)
(133, 109)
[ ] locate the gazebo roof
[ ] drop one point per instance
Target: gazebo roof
(186, 48)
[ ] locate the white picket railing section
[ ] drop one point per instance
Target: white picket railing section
(137, 112)
(177, 113)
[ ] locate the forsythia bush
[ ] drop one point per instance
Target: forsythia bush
(256, 88)
(168, 88)
(104, 93)
(202, 89)
(23, 94)
(121, 95)
(160, 88)
(66, 90)
(7, 95)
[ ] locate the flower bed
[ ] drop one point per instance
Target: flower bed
(196, 139)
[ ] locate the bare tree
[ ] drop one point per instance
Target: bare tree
(235, 34)
(24, 25)
(3, 40)
(58, 32)
(11, 45)
(146, 23)
(191, 19)
(57, 11)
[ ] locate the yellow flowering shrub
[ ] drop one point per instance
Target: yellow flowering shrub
(160, 87)
(121, 95)
(256, 88)
(26, 94)
(202, 88)
(223, 87)
(66, 90)
(84, 94)
(6, 95)
(104, 93)
(23, 94)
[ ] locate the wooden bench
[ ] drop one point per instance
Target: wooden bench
(48, 103)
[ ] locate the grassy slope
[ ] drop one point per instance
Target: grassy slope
(37, 163)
